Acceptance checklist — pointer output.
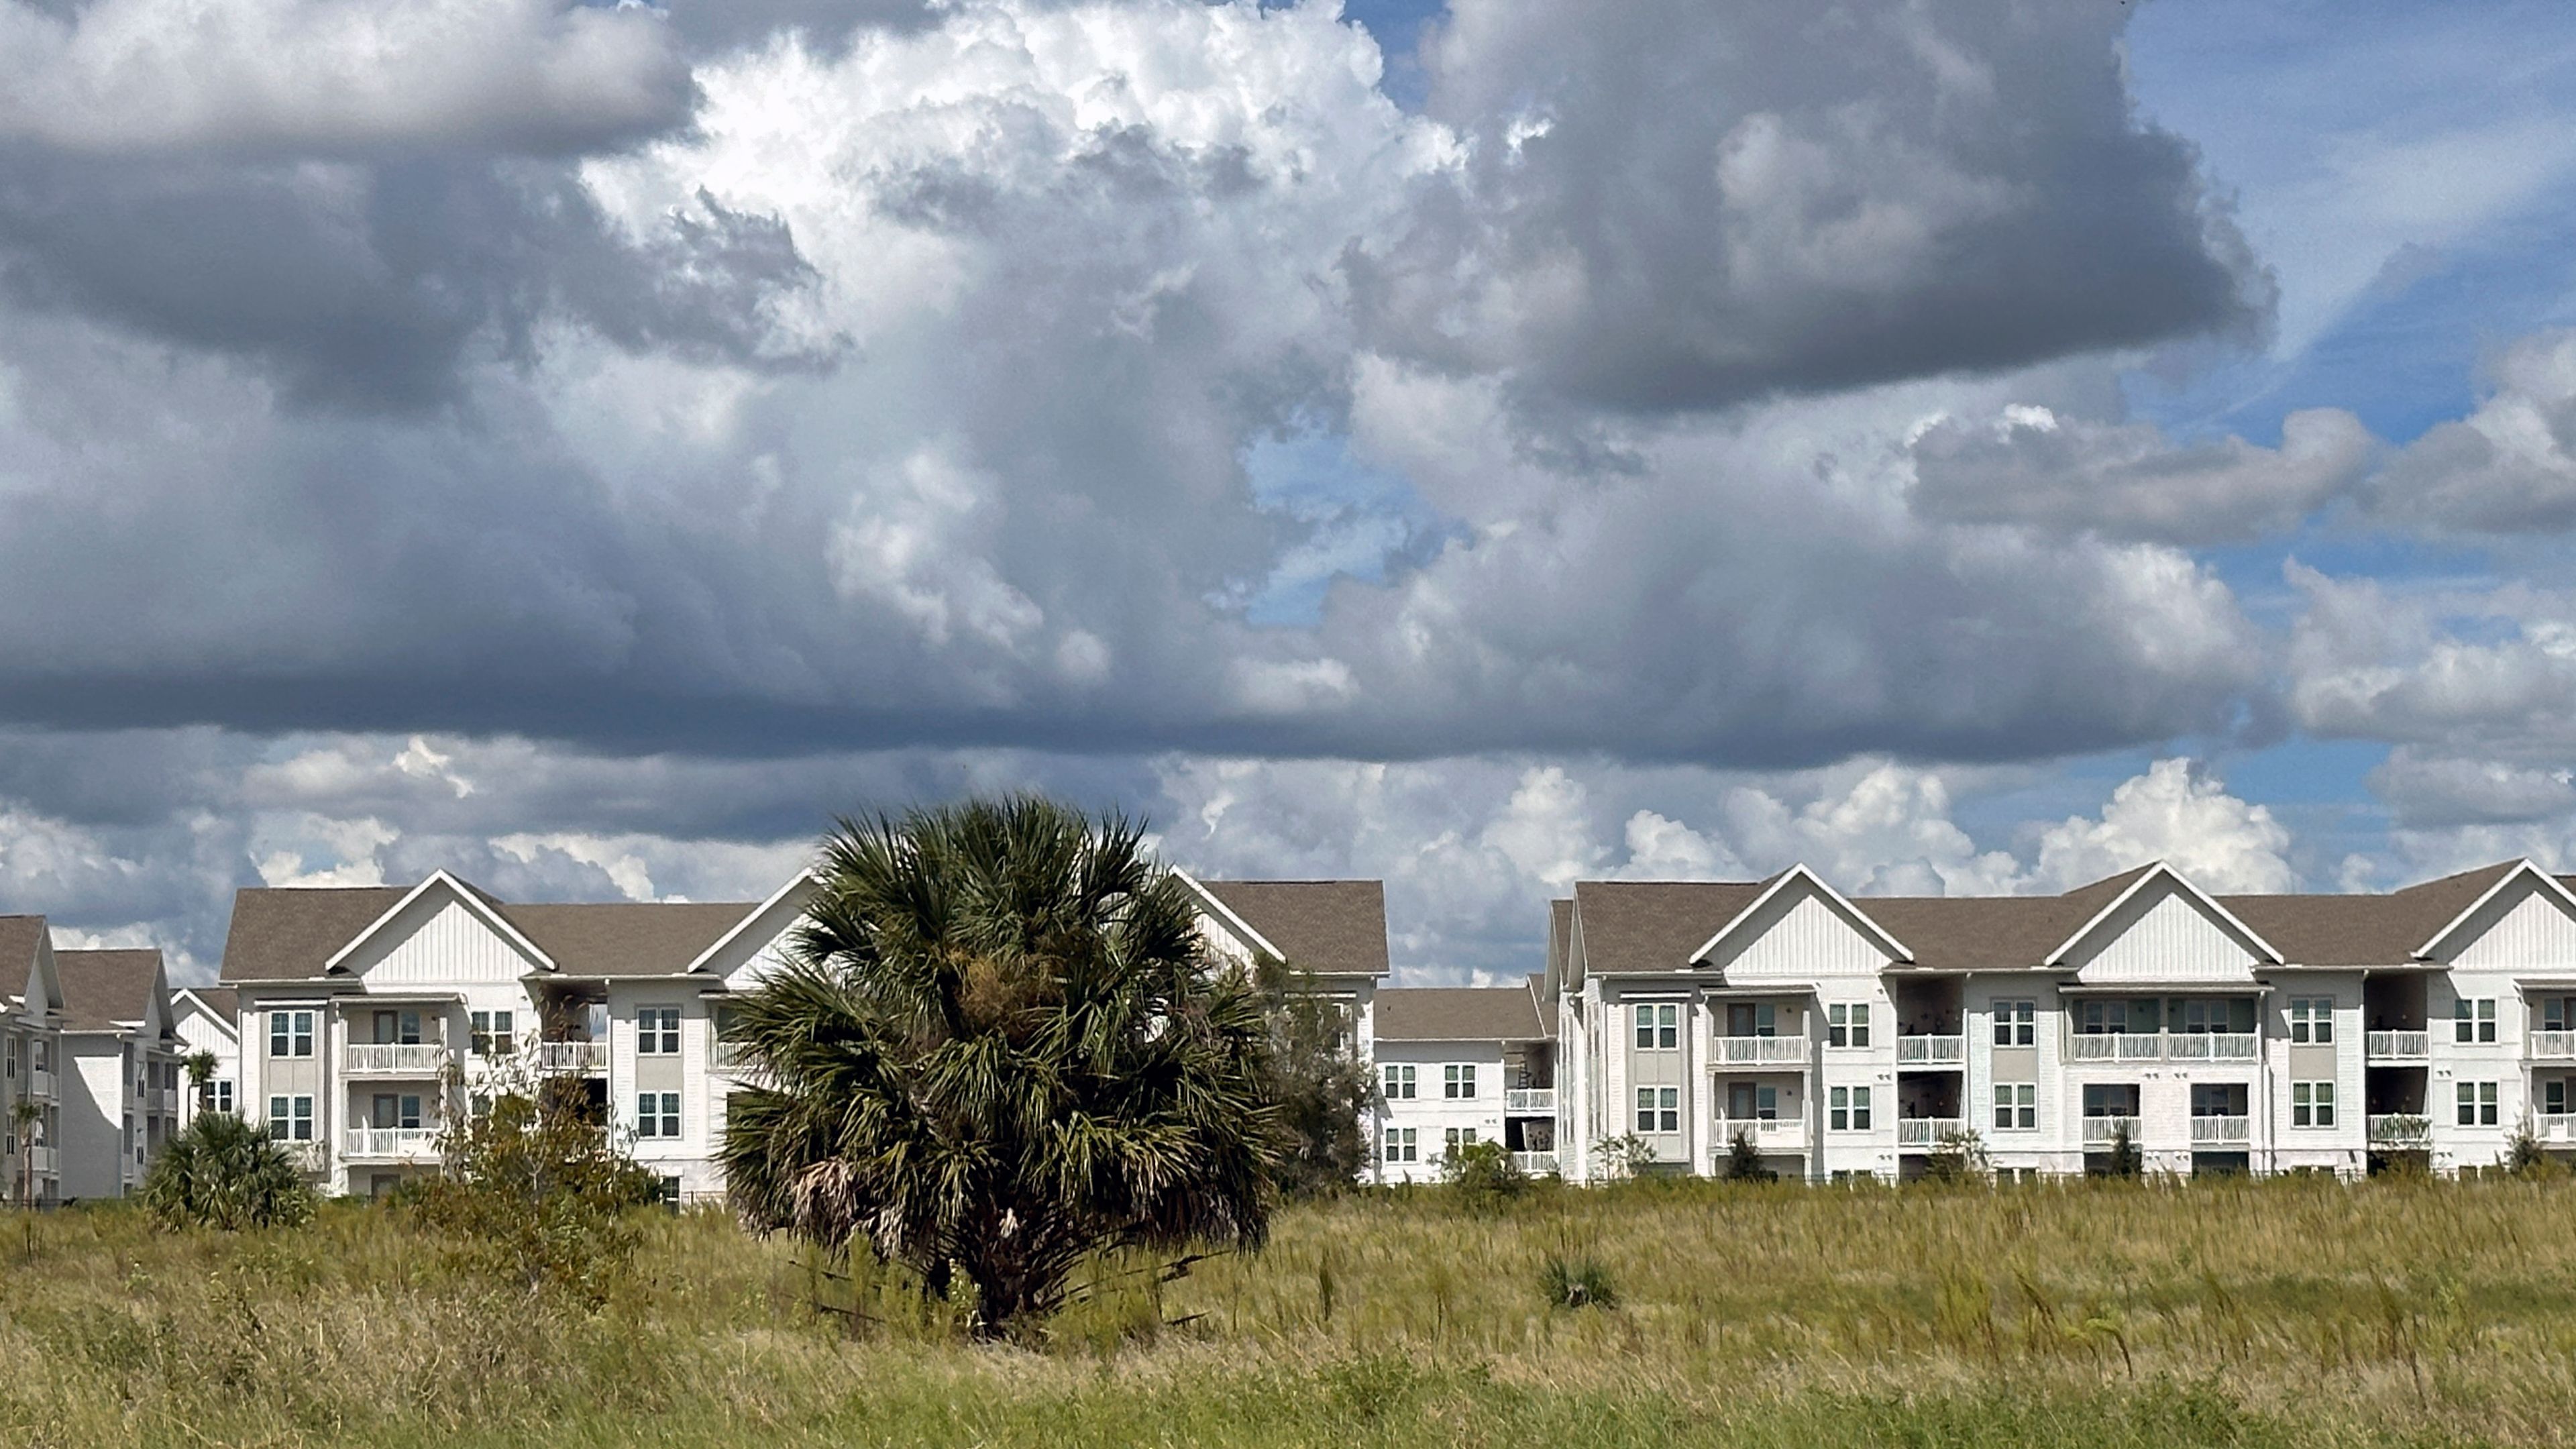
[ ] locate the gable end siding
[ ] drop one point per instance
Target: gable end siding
(437, 941)
(2523, 928)
(2163, 936)
(1797, 937)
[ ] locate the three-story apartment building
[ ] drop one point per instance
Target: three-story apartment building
(1333, 932)
(120, 1054)
(370, 1015)
(1845, 1037)
(31, 1023)
(1459, 1065)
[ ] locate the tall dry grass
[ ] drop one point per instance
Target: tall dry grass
(2105, 1315)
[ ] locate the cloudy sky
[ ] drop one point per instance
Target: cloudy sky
(1973, 446)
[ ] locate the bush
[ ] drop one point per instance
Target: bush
(1959, 1156)
(1483, 1175)
(223, 1172)
(1583, 1283)
(1626, 1157)
(534, 1192)
(1744, 1161)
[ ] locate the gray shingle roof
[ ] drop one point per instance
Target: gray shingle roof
(288, 933)
(1335, 927)
(103, 990)
(223, 1001)
(19, 937)
(1457, 1013)
(1654, 925)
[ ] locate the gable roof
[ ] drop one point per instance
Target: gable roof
(2137, 881)
(628, 938)
(222, 1003)
(19, 938)
(476, 900)
(286, 933)
(1457, 1013)
(1979, 933)
(1841, 906)
(1330, 927)
(291, 933)
(108, 990)
(1654, 925)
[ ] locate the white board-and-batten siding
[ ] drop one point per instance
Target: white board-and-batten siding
(2162, 934)
(2526, 928)
(439, 941)
(1796, 936)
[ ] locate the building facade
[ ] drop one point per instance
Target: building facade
(208, 1022)
(1462, 1065)
(369, 1016)
(120, 1079)
(31, 1088)
(1839, 1037)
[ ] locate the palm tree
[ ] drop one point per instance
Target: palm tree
(23, 1115)
(201, 1076)
(998, 1046)
(224, 1172)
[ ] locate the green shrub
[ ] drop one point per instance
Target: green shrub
(223, 1172)
(1483, 1176)
(1582, 1283)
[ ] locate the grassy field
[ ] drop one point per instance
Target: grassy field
(2290, 1313)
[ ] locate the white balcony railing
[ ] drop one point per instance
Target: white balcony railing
(395, 1142)
(2400, 1129)
(573, 1056)
(2100, 1131)
(1762, 1131)
(2397, 1046)
(42, 1161)
(40, 1085)
(1762, 1051)
(1530, 1101)
(1535, 1164)
(1931, 1051)
(2157, 1046)
(2555, 1126)
(2221, 1131)
(1925, 1131)
(2550, 1046)
(395, 1058)
(2235, 1046)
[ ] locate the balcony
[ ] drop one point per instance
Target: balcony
(589, 1058)
(40, 1085)
(2555, 1126)
(2157, 1046)
(1535, 1164)
(43, 1161)
(1931, 1051)
(1762, 1051)
(2100, 1131)
(395, 1059)
(2400, 1130)
(2222, 1131)
(1529, 1101)
(2117, 1047)
(2550, 1046)
(401, 1144)
(2220, 1046)
(1778, 1134)
(2397, 1046)
(1925, 1132)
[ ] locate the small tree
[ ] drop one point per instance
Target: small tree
(1625, 1156)
(2126, 1159)
(1958, 1155)
(1744, 1160)
(223, 1172)
(998, 1047)
(1317, 1083)
(2523, 1154)
(1483, 1175)
(534, 1189)
(23, 1116)
(201, 1077)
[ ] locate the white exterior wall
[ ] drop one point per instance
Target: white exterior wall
(1432, 1115)
(198, 1032)
(97, 1088)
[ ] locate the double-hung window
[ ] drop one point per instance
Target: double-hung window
(223, 1096)
(1847, 1026)
(2311, 1020)
(2016, 1023)
(1457, 1137)
(290, 1119)
(290, 1033)
(2312, 1104)
(1400, 1081)
(2477, 1104)
(657, 1114)
(2016, 1106)
(1400, 1144)
(2473, 1019)
(495, 1033)
(1659, 1026)
(1458, 1081)
(657, 1032)
(1659, 1109)
(1847, 1109)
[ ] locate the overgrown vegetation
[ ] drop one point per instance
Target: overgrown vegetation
(223, 1172)
(2097, 1314)
(533, 1192)
(1315, 1080)
(1482, 1176)
(998, 1050)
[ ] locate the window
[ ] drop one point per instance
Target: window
(1847, 1026)
(1399, 1083)
(1399, 1144)
(480, 1104)
(1458, 1082)
(2558, 1013)
(290, 1119)
(495, 1034)
(2473, 1019)
(2477, 1104)
(1847, 1109)
(2016, 1023)
(389, 1111)
(1752, 1018)
(2553, 1097)
(223, 1096)
(2103, 1018)
(1659, 1028)
(397, 1028)
(2312, 1019)
(290, 1034)
(1458, 1137)
(657, 1032)
(2016, 1106)
(2312, 1104)
(1659, 1109)
(13, 1059)
(1752, 1102)
(657, 1114)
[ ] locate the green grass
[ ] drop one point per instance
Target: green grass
(2294, 1313)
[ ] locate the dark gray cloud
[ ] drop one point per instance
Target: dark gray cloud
(1677, 206)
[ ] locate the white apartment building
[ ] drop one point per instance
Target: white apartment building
(31, 1023)
(208, 1022)
(120, 1054)
(1334, 931)
(1843, 1037)
(1459, 1065)
(358, 1006)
